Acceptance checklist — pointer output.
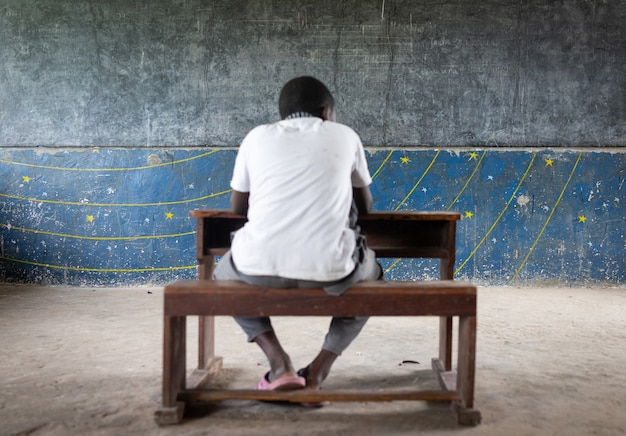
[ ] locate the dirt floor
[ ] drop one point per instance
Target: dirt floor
(550, 361)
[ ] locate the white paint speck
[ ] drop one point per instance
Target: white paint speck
(523, 200)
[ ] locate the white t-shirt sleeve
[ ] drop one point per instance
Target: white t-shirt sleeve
(360, 173)
(241, 177)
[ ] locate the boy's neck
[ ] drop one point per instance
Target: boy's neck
(299, 115)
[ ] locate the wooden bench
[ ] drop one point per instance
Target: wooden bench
(399, 234)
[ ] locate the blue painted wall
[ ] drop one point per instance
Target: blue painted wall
(98, 216)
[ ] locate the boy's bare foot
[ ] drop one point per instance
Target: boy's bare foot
(317, 371)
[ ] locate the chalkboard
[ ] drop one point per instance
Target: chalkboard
(405, 73)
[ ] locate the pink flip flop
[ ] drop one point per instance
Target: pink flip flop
(281, 383)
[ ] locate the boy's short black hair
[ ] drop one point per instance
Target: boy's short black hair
(304, 94)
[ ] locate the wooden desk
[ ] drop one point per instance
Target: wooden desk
(389, 234)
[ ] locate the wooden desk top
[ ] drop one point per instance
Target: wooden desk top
(376, 215)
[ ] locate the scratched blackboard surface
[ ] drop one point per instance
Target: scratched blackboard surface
(405, 73)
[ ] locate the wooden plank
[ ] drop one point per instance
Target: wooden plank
(447, 378)
(312, 395)
(194, 297)
(201, 377)
(377, 215)
(370, 287)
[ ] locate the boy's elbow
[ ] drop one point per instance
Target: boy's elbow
(239, 202)
(363, 200)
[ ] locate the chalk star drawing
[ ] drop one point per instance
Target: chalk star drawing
(26, 179)
(169, 215)
(90, 218)
(469, 214)
(405, 160)
(489, 177)
(473, 155)
(549, 162)
(582, 218)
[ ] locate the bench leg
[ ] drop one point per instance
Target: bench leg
(445, 342)
(466, 368)
(174, 367)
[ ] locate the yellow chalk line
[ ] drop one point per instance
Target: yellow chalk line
(80, 203)
(145, 167)
(419, 180)
(558, 201)
(97, 238)
(468, 180)
(102, 270)
(499, 216)
(380, 167)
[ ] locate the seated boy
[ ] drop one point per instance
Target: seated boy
(302, 182)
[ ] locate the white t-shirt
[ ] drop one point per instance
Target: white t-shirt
(299, 173)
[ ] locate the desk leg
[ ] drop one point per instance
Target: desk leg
(208, 364)
(466, 371)
(174, 367)
(446, 272)
(206, 340)
(206, 324)
(445, 342)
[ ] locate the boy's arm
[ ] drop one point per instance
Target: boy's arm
(363, 199)
(239, 202)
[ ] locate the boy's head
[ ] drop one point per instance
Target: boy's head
(306, 94)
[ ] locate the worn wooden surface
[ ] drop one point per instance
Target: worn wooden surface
(374, 298)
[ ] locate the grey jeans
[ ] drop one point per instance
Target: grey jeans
(341, 332)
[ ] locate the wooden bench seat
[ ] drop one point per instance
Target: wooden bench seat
(445, 298)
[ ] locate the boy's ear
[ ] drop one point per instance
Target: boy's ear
(328, 113)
